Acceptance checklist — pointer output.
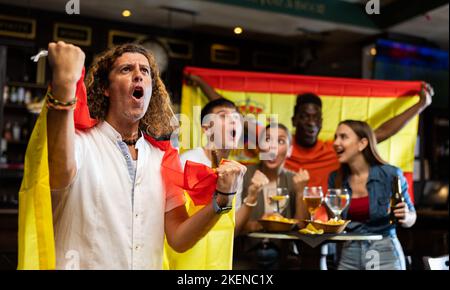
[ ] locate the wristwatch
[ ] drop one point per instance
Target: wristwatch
(221, 209)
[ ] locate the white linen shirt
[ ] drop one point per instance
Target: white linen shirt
(112, 216)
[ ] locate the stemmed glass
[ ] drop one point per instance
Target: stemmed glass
(278, 198)
(312, 197)
(281, 199)
(337, 200)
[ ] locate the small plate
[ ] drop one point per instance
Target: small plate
(329, 228)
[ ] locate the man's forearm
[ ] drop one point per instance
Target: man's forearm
(182, 231)
(392, 126)
(61, 138)
(192, 229)
(66, 62)
(209, 92)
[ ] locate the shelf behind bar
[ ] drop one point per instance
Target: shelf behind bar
(11, 171)
(15, 107)
(11, 211)
(27, 85)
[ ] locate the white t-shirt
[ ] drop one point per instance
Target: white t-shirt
(112, 216)
(199, 155)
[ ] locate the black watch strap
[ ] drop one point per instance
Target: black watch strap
(224, 193)
(220, 209)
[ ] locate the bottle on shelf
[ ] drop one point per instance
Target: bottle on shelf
(16, 131)
(4, 200)
(7, 133)
(25, 132)
(13, 202)
(5, 94)
(28, 97)
(20, 95)
(13, 95)
(396, 197)
(3, 150)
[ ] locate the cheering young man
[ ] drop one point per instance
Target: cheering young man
(111, 207)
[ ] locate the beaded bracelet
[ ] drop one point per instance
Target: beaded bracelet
(60, 108)
(55, 104)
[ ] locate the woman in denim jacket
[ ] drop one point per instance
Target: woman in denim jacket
(368, 179)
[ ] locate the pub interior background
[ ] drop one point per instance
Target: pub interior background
(274, 39)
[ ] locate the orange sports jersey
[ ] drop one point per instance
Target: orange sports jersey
(320, 161)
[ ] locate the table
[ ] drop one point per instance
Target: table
(311, 254)
(338, 237)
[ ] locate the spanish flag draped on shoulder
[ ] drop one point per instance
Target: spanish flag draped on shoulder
(36, 238)
(36, 241)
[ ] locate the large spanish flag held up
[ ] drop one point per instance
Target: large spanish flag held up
(373, 101)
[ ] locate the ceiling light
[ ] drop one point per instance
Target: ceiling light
(373, 51)
(126, 13)
(237, 30)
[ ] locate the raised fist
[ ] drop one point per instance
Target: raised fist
(66, 62)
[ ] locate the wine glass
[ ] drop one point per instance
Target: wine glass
(277, 198)
(268, 192)
(312, 197)
(281, 198)
(337, 200)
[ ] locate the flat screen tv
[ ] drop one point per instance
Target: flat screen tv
(402, 61)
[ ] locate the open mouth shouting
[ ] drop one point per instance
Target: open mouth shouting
(272, 157)
(339, 151)
(230, 134)
(138, 92)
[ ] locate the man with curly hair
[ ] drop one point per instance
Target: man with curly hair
(110, 206)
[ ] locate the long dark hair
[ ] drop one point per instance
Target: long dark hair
(370, 153)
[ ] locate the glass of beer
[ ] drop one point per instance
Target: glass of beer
(312, 197)
(337, 200)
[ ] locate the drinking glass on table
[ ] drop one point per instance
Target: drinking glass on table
(312, 197)
(281, 199)
(337, 200)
